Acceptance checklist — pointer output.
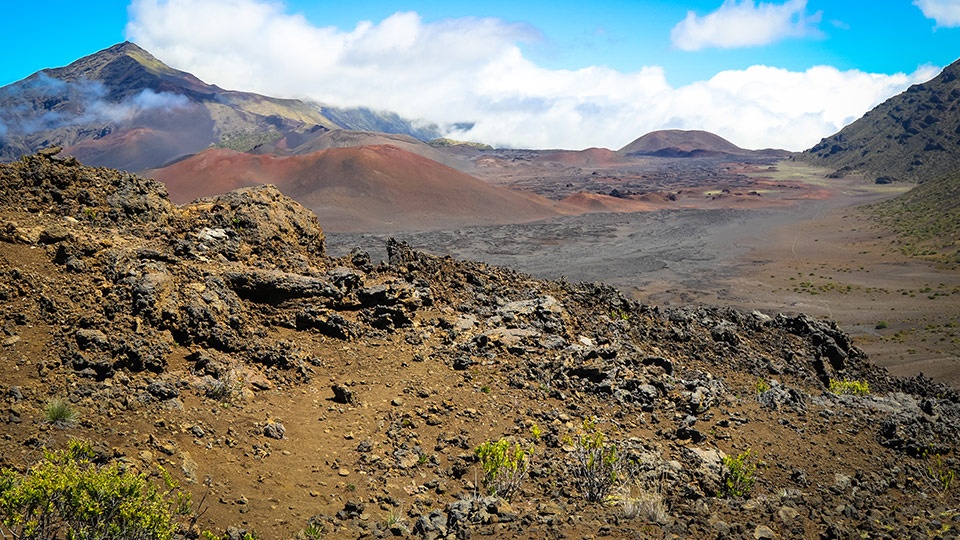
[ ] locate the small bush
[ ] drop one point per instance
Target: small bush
(761, 386)
(855, 388)
(313, 531)
(504, 468)
(737, 475)
(59, 412)
(938, 473)
(597, 465)
(881, 325)
(227, 388)
(644, 504)
(67, 496)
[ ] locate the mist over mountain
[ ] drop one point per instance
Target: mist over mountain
(913, 136)
(123, 108)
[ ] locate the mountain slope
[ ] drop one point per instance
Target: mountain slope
(914, 136)
(96, 105)
(365, 119)
(359, 188)
(926, 219)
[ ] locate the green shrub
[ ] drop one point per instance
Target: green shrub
(313, 531)
(856, 388)
(737, 475)
(761, 386)
(67, 496)
(597, 465)
(938, 472)
(504, 468)
(59, 412)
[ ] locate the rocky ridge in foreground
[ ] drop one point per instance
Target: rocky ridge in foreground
(218, 340)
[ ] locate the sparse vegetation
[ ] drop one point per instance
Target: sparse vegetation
(244, 141)
(60, 413)
(313, 531)
(761, 386)
(639, 502)
(597, 466)
(67, 495)
(504, 466)
(226, 389)
(738, 475)
(926, 220)
(444, 142)
(938, 472)
(395, 519)
(848, 387)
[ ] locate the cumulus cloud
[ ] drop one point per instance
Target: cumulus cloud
(745, 24)
(470, 75)
(946, 13)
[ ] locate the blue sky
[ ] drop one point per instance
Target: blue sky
(538, 74)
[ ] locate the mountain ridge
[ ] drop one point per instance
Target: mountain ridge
(84, 105)
(913, 136)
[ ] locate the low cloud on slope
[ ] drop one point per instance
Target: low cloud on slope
(473, 70)
(76, 103)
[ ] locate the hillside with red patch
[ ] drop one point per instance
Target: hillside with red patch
(365, 188)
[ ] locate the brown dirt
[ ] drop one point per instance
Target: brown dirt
(439, 355)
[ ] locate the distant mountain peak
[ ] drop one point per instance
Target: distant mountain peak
(122, 107)
(127, 68)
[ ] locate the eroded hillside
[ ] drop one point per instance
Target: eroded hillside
(287, 388)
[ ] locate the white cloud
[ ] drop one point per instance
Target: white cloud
(472, 70)
(945, 12)
(741, 23)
